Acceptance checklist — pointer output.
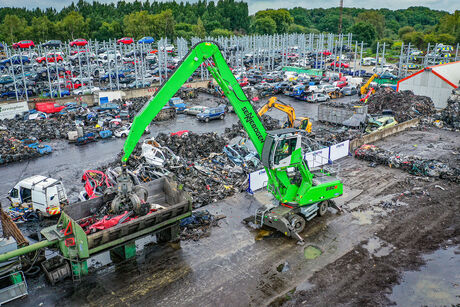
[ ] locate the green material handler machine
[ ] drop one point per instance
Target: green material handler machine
(300, 194)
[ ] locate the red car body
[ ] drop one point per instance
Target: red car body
(342, 84)
(48, 107)
(24, 44)
(343, 65)
(50, 58)
(79, 42)
(243, 81)
(125, 40)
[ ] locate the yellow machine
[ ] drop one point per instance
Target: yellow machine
(302, 123)
(366, 86)
(335, 94)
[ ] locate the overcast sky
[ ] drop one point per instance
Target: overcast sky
(256, 5)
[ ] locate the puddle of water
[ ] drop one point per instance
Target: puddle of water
(311, 252)
(436, 284)
(363, 217)
(377, 247)
(283, 267)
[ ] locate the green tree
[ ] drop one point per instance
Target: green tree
(109, 30)
(404, 30)
(363, 31)
(12, 28)
(265, 25)
(163, 24)
(415, 38)
(221, 32)
(450, 24)
(293, 28)
(73, 25)
(41, 28)
(281, 17)
(182, 26)
(198, 29)
(138, 24)
(375, 19)
(446, 39)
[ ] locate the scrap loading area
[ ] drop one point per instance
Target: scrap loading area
(390, 219)
(272, 200)
(364, 249)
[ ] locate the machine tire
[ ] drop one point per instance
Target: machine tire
(40, 215)
(207, 119)
(322, 208)
(221, 117)
(115, 206)
(164, 236)
(142, 193)
(297, 222)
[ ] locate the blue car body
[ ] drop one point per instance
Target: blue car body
(106, 107)
(146, 40)
(64, 92)
(114, 75)
(178, 104)
(212, 113)
(15, 59)
(297, 91)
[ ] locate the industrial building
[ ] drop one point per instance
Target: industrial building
(436, 82)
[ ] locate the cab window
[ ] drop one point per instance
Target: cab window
(26, 194)
(285, 149)
(14, 193)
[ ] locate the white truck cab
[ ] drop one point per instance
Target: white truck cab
(45, 195)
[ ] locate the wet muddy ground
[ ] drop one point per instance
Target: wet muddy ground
(392, 221)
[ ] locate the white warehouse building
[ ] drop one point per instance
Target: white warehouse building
(436, 82)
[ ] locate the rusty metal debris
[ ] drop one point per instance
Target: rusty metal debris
(411, 164)
(404, 104)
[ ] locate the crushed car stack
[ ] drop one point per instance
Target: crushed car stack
(451, 114)
(404, 104)
(411, 164)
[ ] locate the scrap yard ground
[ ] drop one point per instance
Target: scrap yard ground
(391, 219)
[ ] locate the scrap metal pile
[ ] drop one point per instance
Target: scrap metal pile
(200, 166)
(198, 225)
(404, 104)
(13, 150)
(42, 130)
(330, 135)
(237, 129)
(451, 114)
(411, 164)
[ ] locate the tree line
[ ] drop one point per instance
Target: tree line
(103, 21)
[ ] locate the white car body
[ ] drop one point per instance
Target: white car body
(44, 194)
(124, 131)
(318, 97)
(86, 90)
(157, 155)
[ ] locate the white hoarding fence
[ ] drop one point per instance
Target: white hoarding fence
(106, 97)
(339, 150)
(10, 110)
(259, 179)
(317, 158)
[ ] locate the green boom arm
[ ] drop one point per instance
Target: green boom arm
(223, 76)
(282, 188)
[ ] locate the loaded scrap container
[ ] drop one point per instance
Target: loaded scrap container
(171, 205)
